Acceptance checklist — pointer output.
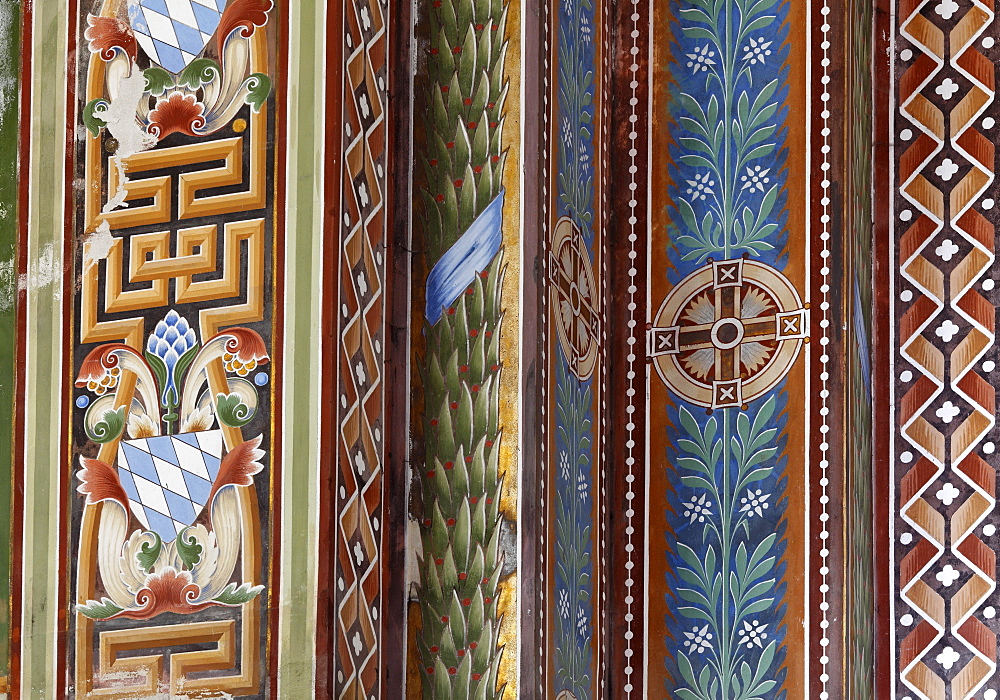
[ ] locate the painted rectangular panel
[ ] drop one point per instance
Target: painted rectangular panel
(167, 523)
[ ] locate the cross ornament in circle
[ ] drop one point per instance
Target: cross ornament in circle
(731, 327)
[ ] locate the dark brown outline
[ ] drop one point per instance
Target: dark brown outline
(882, 349)
(65, 473)
(278, 338)
(397, 342)
(533, 391)
(326, 613)
(618, 283)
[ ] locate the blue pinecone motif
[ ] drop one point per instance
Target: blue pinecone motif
(172, 338)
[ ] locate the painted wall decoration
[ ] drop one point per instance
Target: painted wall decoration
(940, 406)
(464, 154)
(734, 391)
(360, 415)
(574, 376)
(175, 319)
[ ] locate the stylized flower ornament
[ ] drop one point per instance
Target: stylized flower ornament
(701, 59)
(698, 640)
(753, 633)
(754, 502)
(697, 508)
(700, 187)
(756, 50)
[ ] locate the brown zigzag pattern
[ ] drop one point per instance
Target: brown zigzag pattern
(357, 590)
(966, 382)
(928, 441)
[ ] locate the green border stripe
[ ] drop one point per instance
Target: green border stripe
(10, 35)
(43, 374)
(306, 125)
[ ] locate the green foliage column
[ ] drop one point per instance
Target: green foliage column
(464, 159)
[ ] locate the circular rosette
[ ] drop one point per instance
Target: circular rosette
(728, 333)
(573, 296)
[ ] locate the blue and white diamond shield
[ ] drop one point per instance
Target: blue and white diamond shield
(174, 32)
(168, 478)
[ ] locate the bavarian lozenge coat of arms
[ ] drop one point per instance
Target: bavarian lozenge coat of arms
(171, 525)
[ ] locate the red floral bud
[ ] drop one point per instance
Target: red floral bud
(489, 105)
(468, 459)
(444, 619)
(449, 465)
(474, 332)
(496, 27)
(489, 334)
(437, 3)
(434, 52)
(439, 562)
(474, 500)
(463, 368)
(484, 274)
(466, 602)
(433, 162)
(475, 388)
(439, 198)
(478, 169)
(462, 576)
(467, 101)
(457, 49)
(479, 27)
(473, 125)
(493, 125)
(487, 600)
(485, 581)
(427, 522)
(489, 443)
(430, 670)
(434, 649)
(469, 291)
(476, 676)
(452, 671)
(489, 501)
(451, 311)
(495, 367)
(496, 159)
(450, 144)
(454, 405)
(451, 522)
(430, 474)
(434, 421)
(461, 652)
(444, 88)
(458, 182)
(473, 645)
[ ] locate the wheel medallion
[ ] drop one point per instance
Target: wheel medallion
(728, 333)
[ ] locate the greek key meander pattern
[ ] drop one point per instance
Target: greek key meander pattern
(946, 640)
(360, 469)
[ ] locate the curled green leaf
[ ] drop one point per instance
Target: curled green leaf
(232, 411)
